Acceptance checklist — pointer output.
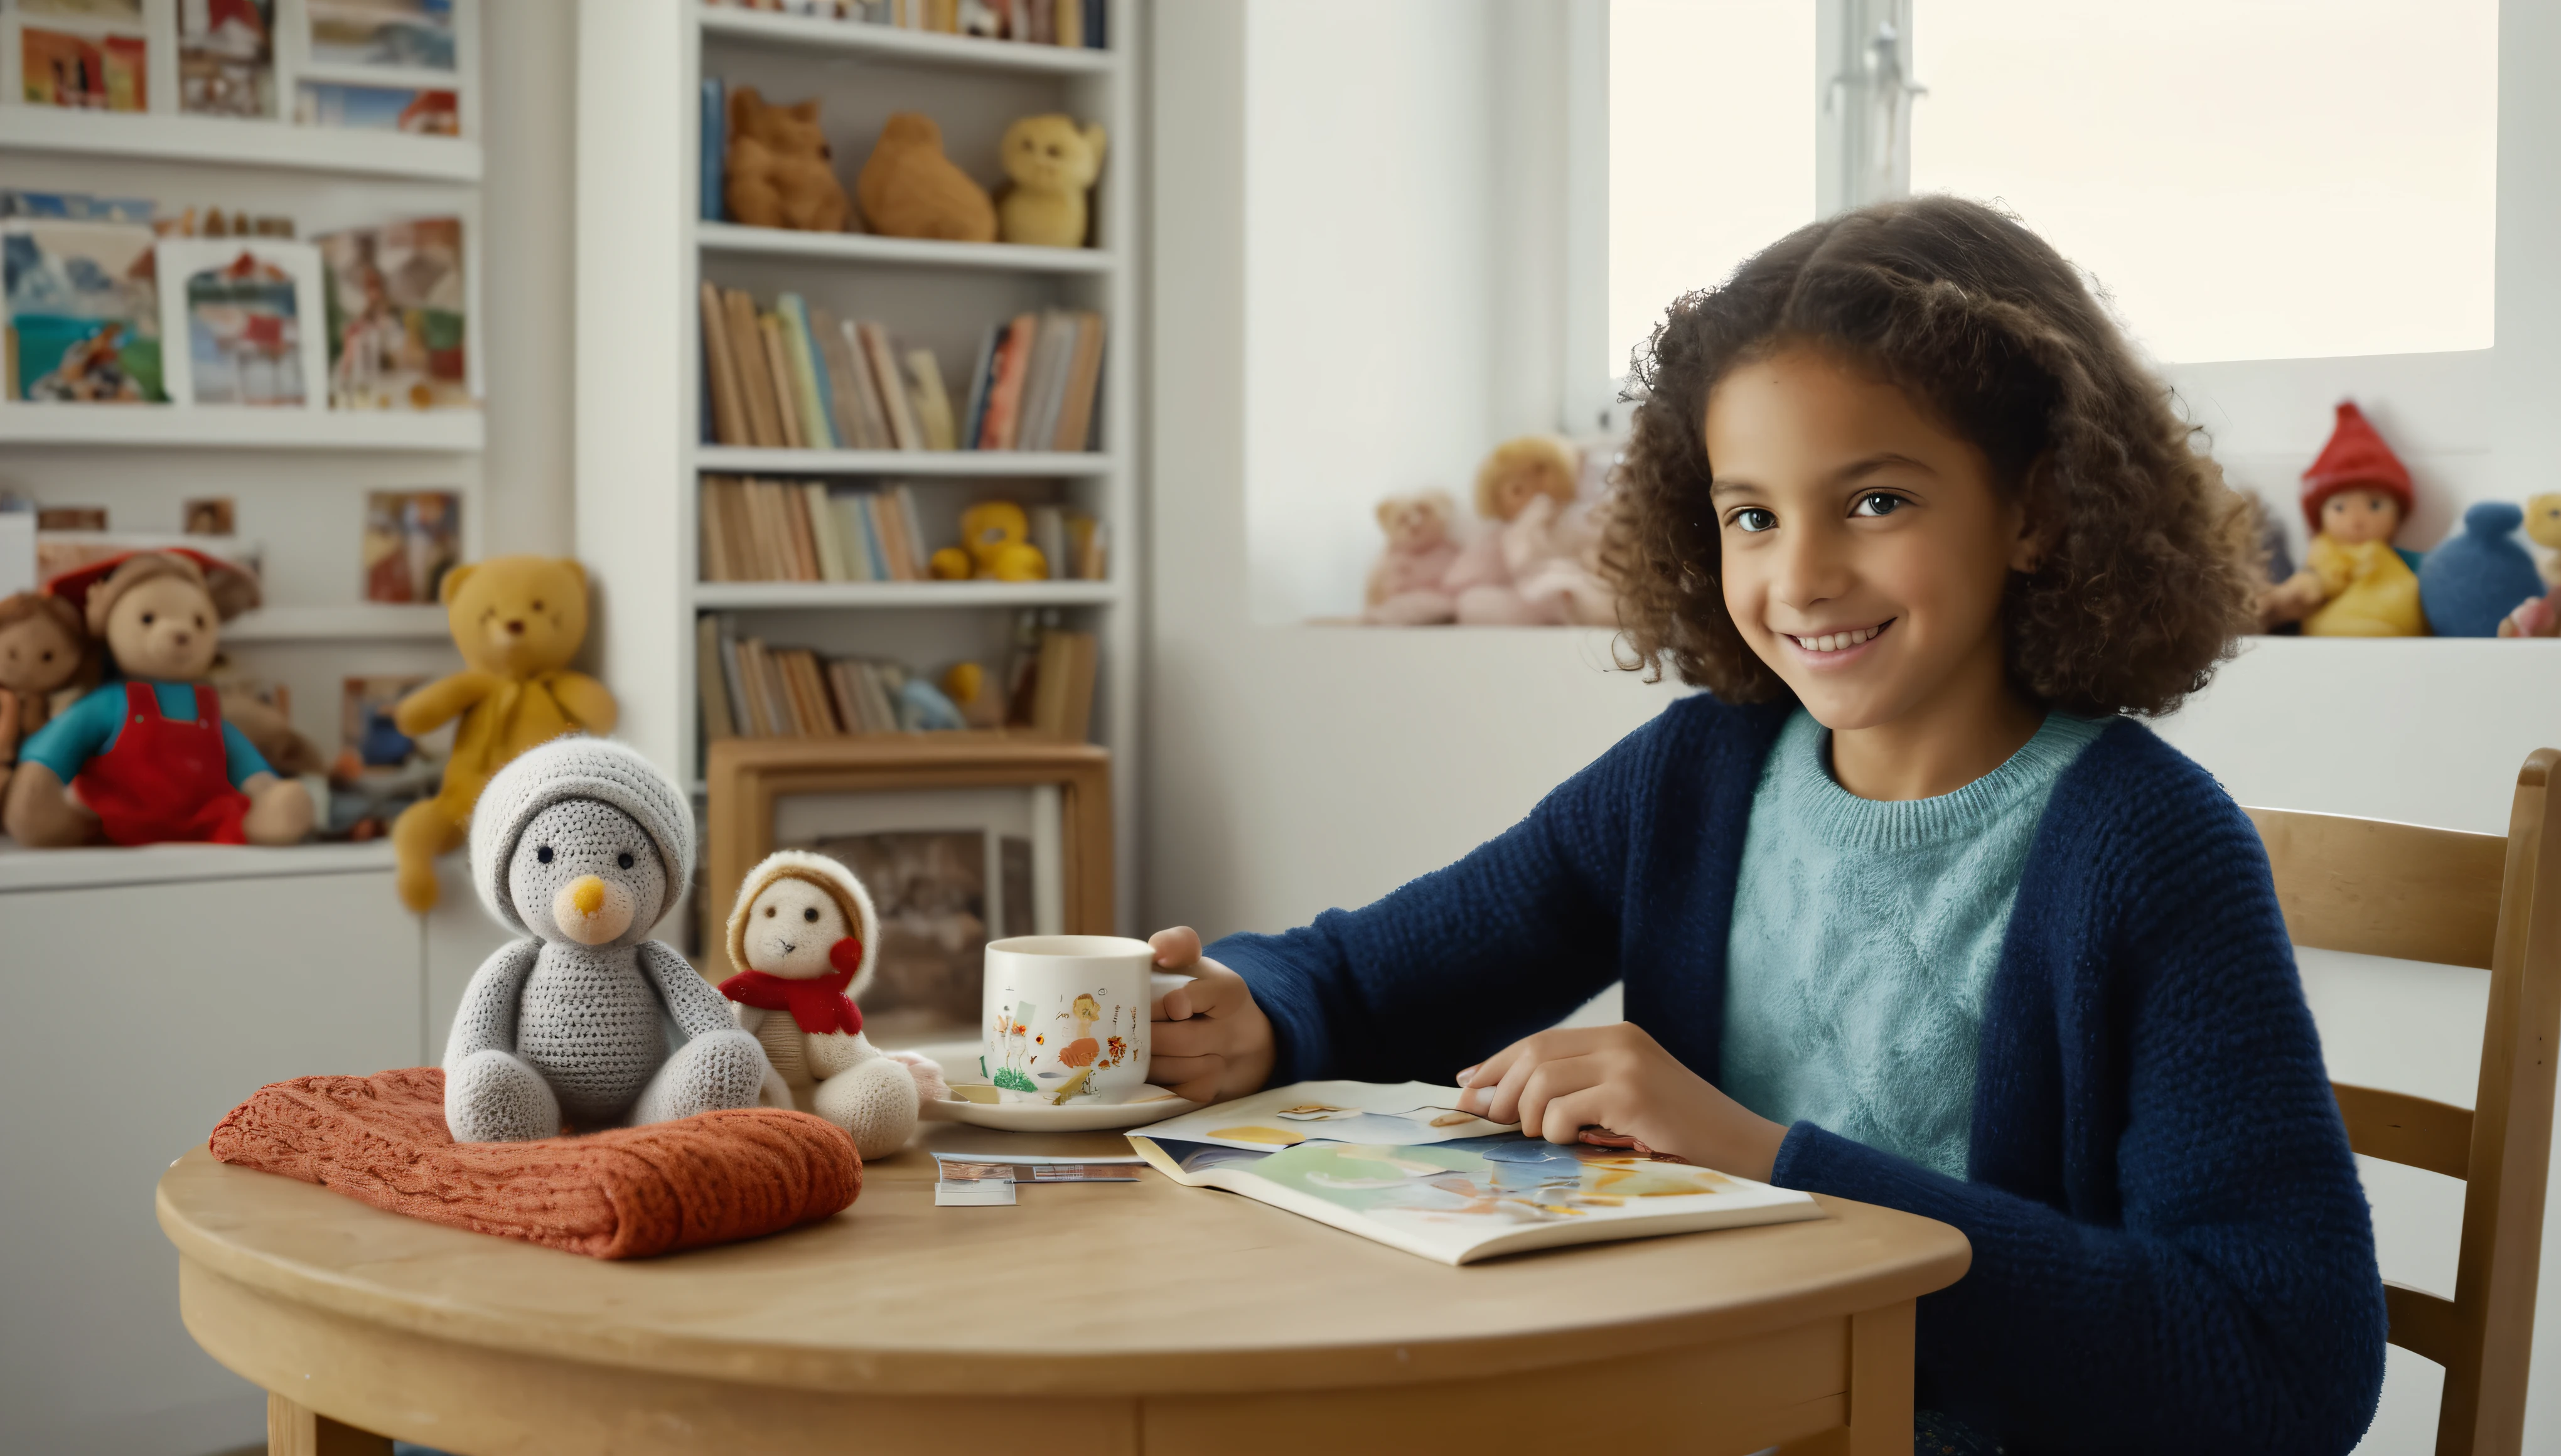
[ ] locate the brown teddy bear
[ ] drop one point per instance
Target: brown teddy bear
(1405, 587)
(43, 649)
(909, 188)
(1052, 162)
(780, 172)
(518, 622)
(147, 757)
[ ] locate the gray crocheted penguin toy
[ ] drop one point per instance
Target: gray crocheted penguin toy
(584, 844)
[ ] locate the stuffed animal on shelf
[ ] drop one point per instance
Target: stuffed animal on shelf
(909, 188)
(805, 941)
(43, 648)
(995, 546)
(518, 620)
(780, 172)
(966, 685)
(1405, 587)
(269, 727)
(1563, 575)
(2470, 585)
(1053, 163)
(1519, 473)
(2356, 497)
(147, 757)
(582, 845)
(2540, 617)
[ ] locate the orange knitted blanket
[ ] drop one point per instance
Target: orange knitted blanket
(626, 1193)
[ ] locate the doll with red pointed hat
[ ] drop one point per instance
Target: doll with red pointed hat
(2356, 496)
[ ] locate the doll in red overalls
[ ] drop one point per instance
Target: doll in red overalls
(147, 757)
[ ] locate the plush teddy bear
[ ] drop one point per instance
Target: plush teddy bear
(43, 649)
(805, 940)
(909, 188)
(995, 546)
(1563, 575)
(147, 757)
(518, 622)
(1405, 585)
(780, 172)
(1519, 472)
(582, 845)
(1052, 162)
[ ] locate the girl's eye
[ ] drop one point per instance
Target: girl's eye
(624, 859)
(1879, 503)
(1755, 520)
(810, 914)
(543, 853)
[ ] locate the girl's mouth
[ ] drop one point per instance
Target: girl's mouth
(1835, 647)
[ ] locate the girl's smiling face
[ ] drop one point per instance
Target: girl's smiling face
(1864, 549)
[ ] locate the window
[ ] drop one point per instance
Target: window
(2249, 179)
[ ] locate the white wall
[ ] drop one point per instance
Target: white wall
(1296, 768)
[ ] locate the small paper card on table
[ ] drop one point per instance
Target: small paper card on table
(973, 1184)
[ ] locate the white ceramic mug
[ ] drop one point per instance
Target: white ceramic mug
(1064, 1018)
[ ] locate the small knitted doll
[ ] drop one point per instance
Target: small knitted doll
(584, 844)
(2356, 497)
(805, 940)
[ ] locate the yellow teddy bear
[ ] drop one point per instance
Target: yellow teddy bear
(995, 546)
(518, 622)
(1052, 162)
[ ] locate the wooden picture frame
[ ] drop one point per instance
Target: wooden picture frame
(295, 266)
(744, 777)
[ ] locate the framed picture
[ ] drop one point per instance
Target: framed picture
(241, 323)
(411, 539)
(82, 310)
(398, 315)
(381, 64)
(227, 57)
(958, 842)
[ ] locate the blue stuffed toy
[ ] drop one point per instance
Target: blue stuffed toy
(2472, 583)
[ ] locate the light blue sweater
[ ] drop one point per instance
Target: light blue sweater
(1865, 936)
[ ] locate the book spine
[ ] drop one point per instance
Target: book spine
(1007, 397)
(849, 510)
(714, 150)
(719, 367)
(739, 716)
(933, 404)
(708, 684)
(841, 408)
(1076, 415)
(867, 395)
(876, 511)
(777, 363)
(781, 562)
(747, 357)
(712, 564)
(804, 541)
(822, 531)
(840, 695)
(884, 361)
(1071, 22)
(911, 536)
(808, 372)
(976, 416)
(750, 685)
(1039, 384)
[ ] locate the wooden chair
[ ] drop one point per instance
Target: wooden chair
(2465, 900)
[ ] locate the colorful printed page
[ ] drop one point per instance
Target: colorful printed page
(1414, 1114)
(1457, 1198)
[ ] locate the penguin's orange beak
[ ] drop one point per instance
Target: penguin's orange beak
(590, 911)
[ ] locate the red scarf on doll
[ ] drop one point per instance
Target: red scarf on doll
(818, 1005)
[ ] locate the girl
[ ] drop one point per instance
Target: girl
(1907, 907)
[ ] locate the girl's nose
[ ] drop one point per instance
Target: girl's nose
(1812, 570)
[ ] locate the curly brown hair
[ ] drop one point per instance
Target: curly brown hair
(2138, 590)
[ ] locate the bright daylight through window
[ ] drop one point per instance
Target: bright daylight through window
(2249, 179)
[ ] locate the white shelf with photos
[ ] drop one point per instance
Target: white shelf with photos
(285, 453)
(645, 444)
(181, 427)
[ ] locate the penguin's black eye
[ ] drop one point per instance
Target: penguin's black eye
(624, 859)
(543, 853)
(810, 914)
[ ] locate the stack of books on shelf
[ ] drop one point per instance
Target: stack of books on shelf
(799, 531)
(1077, 23)
(750, 688)
(797, 377)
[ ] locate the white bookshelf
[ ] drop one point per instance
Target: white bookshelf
(298, 479)
(643, 252)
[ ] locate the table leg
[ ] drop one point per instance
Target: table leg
(298, 1430)
(1880, 1391)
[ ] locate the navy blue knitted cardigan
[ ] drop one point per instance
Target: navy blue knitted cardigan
(2171, 1248)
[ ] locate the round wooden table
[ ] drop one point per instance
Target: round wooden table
(1087, 1317)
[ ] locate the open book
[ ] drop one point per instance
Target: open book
(1400, 1164)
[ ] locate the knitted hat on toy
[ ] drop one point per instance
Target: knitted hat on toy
(578, 767)
(2356, 458)
(829, 875)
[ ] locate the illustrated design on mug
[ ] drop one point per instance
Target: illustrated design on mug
(1047, 1050)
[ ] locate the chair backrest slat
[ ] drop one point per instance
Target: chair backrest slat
(2372, 886)
(2412, 1131)
(2442, 895)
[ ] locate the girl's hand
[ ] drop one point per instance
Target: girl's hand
(1209, 1042)
(1615, 1078)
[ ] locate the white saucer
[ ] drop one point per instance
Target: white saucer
(1137, 1108)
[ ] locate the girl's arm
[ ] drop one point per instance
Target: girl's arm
(2231, 1298)
(1455, 964)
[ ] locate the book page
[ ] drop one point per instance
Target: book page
(1407, 1113)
